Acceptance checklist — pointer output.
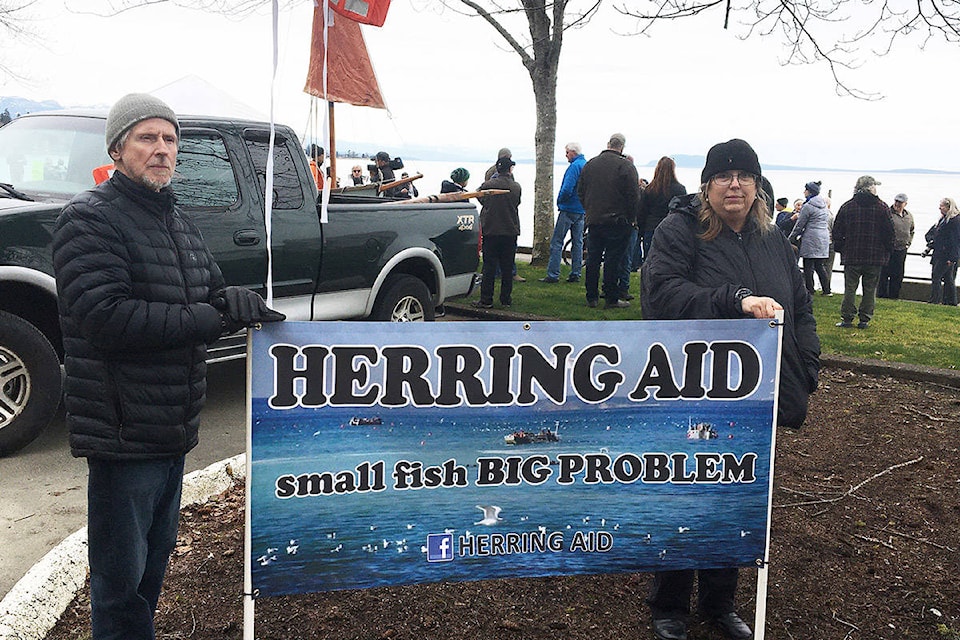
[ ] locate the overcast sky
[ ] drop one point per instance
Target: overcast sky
(450, 82)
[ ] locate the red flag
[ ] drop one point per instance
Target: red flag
(350, 75)
(372, 12)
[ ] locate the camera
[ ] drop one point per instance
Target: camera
(396, 164)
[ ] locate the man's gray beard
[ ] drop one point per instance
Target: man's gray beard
(156, 185)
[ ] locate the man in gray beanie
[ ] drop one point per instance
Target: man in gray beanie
(133, 108)
(140, 297)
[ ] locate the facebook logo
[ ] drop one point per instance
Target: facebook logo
(439, 547)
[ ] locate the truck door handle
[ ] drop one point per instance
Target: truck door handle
(246, 238)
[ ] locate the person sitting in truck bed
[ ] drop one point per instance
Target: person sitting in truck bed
(457, 182)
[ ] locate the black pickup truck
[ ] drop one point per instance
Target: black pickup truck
(372, 258)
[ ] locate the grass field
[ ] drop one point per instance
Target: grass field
(901, 330)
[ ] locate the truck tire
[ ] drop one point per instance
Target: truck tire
(404, 298)
(30, 383)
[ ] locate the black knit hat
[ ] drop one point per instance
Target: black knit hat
(734, 154)
(813, 187)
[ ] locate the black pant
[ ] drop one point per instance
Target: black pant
(670, 594)
(606, 243)
(498, 252)
(891, 276)
(820, 266)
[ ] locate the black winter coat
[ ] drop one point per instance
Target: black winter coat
(688, 278)
(500, 214)
(609, 189)
(654, 207)
(134, 279)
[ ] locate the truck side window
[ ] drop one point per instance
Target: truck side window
(287, 190)
(204, 177)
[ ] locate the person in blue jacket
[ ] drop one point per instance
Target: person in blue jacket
(569, 219)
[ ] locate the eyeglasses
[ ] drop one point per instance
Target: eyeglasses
(726, 178)
(357, 170)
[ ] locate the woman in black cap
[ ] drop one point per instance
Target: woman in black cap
(717, 255)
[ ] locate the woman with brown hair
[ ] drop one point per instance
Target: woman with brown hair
(655, 199)
(718, 255)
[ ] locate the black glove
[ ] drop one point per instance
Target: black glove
(240, 307)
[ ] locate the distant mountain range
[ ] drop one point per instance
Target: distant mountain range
(19, 106)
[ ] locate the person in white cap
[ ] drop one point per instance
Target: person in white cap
(891, 274)
(140, 297)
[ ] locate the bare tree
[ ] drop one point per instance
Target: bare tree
(833, 32)
(238, 8)
(540, 54)
(13, 26)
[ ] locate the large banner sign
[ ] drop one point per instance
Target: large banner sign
(386, 454)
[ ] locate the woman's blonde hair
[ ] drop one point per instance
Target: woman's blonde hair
(712, 225)
(951, 208)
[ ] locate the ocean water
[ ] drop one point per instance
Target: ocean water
(375, 538)
(925, 191)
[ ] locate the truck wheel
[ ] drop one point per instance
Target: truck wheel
(30, 383)
(404, 299)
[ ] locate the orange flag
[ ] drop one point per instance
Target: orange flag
(350, 75)
(373, 12)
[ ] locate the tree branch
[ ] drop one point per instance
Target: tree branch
(852, 490)
(807, 27)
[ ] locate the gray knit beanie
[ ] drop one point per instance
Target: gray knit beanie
(133, 108)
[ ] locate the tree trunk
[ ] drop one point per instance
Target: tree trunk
(545, 95)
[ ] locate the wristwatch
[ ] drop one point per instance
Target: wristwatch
(740, 294)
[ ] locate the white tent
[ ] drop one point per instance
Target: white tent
(192, 95)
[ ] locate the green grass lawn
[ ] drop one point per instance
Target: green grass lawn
(901, 330)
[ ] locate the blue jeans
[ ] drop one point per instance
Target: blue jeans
(605, 244)
(133, 511)
(572, 222)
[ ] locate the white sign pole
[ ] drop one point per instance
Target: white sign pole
(760, 620)
(249, 606)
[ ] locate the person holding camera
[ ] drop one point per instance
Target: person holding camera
(385, 167)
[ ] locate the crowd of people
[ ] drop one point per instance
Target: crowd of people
(610, 215)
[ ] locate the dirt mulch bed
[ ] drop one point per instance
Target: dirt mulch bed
(865, 545)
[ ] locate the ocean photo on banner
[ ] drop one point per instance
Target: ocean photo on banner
(360, 494)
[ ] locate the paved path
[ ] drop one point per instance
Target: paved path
(43, 498)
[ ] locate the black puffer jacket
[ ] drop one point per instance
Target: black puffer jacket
(134, 278)
(689, 278)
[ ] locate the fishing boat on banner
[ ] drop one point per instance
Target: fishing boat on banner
(700, 431)
(523, 436)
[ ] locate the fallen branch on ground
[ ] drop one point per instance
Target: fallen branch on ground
(849, 492)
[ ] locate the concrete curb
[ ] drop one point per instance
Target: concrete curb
(36, 602)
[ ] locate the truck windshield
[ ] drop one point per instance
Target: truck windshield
(51, 158)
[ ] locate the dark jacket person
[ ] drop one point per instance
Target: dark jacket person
(610, 192)
(717, 255)
(140, 297)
